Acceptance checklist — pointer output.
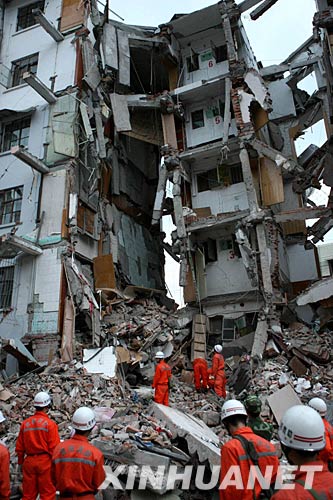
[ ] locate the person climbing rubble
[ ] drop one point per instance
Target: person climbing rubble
(77, 466)
(218, 372)
(35, 444)
(302, 436)
(326, 455)
(162, 379)
(4, 466)
(253, 407)
(200, 369)
(243, 449)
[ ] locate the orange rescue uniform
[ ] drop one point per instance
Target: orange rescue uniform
(35, 444)
(200, 369)
(218, 372)
(322, 485)
(4, 473)
(233, 454)
(326, 455)
(161, 383)
(77, 468)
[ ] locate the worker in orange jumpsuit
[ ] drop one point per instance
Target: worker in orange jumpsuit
(35, 444)
(326, 455)
(235, 456)
(77, 466)
(302, 436)
(200, 369)
(161, 382)
(218, 372)
(4, 468)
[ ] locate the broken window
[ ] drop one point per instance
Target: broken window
(15, 133)
(6, 286)
(230, 244)
(25, 17)
(223, 329)
(192, 62)
(210, 250)
(222, 176)
(198, 120)
(10, 205)
(217, 110)
(221, 53)
(21, 66)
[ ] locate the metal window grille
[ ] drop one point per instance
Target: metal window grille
(10, 205)
(16, 133)
(25, 17)
(6, 286)
(20, 66)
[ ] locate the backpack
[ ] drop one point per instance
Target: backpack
(252, 455)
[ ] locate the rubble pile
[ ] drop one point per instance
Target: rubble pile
(302, 357)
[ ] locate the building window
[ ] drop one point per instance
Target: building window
(10, 205)
(198, 120)
(222, 176)
(20, 66)
(221, 53)
(25, 17)
(15, 133)
(6, 286)
(223, 329)
(330, 267)
(210, 250)
(192, 63)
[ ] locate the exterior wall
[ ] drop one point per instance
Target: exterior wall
(226, 199)
(325, 255)
(301, 263)
(213, 128)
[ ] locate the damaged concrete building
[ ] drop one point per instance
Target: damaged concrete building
(97, 117)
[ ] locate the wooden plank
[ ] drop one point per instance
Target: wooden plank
(110, 47)
(189, 289)
(200, 319)
(271, 182)
(200, 328)
(72, 14)
(104, 272)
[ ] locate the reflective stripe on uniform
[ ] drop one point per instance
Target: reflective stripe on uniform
(80, 460)
(35, 429)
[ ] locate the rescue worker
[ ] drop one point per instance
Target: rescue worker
(244, 449)
(4, 467)
(326, 455)
(35, 444)
(258, 425)
(218, 372)
(200, 369)
(162, 378)
(77, 466)
(302, 436)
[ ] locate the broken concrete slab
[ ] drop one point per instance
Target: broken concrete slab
(282, 400)
(200, 438)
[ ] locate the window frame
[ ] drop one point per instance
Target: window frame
(195, 127)
(192, 63)
(7, 298)
(25, 12)
(14, 219)
(7, 144)
(233, 174)
(21, 66)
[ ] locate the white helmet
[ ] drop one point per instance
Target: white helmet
(42, 399)
(302, 428)
(218, 348)
(231, 408)
(319, 405)
(83, 419)
(2, 417)
(159, 355)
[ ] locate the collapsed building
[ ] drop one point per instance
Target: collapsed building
(98, 117)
